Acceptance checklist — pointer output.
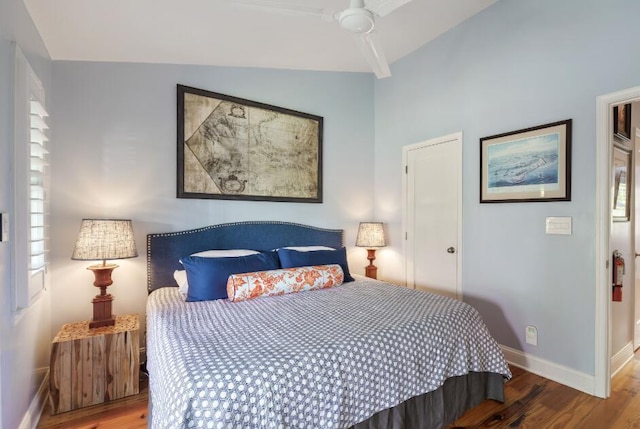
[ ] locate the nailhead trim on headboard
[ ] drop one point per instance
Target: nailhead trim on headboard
(335, 236)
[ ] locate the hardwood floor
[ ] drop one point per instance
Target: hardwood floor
(125, 413)
(535, 402)
(531, 402)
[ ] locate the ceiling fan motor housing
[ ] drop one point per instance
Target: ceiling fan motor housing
(357, 20)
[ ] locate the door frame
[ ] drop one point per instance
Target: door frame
(635, 147)
(604, 153)
(456, 138)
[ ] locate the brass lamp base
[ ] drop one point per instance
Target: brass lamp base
(102, 315)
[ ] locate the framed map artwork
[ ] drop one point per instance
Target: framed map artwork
(527, 165)
(235, 149)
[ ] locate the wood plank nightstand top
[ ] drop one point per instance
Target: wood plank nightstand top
(79, 330)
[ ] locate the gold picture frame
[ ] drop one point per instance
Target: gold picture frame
(621, 171)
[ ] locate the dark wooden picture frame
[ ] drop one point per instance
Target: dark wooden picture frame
(235, 149)
(528, 165)
(622, 121)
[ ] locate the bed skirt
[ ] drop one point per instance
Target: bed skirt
(435, 410)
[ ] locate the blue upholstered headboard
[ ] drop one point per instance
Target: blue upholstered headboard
(164, 250)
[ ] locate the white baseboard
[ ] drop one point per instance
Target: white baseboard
(621, 358)
(544, 368)
(32, 416)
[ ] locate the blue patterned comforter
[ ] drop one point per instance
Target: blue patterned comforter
(321, 359)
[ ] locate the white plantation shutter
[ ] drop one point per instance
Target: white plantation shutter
(31, 181)
(37, 192)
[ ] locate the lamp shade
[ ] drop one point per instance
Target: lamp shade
(102, 239)
(370, 235)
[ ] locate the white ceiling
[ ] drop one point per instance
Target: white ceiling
(216, 32)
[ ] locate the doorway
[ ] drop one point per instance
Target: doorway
(604, 198)
(432, 218)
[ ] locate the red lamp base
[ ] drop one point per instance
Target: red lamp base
(102, 315)
(371, 270)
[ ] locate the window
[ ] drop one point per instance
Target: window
(31, 181)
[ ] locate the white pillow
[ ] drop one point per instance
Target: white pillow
(230, 253)
(181, 279)
(180, 276)
(308, 248)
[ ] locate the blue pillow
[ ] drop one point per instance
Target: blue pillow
(207, 277)
(292, 259)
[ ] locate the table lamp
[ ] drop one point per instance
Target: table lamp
(102, 239)
(371, 236)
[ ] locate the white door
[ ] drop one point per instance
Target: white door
(433, 215)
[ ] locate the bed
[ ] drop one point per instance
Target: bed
(365, 354)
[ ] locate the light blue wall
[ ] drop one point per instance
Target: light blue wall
(24, 343)
(115, 156)
(515, 65)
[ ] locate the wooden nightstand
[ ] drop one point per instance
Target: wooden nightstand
(91, 366)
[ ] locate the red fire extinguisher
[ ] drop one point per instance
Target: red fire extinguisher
(618, 274)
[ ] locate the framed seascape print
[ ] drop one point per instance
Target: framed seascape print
(235, 149)
(622, 121)
(621, 181)
(527, 165)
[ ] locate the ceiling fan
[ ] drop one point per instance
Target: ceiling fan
(359, 18)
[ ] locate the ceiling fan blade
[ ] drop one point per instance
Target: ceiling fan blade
(384, 7)
(285, 8)
(372, 51)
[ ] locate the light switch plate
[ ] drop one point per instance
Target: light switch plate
(4, 227)
(558, 225)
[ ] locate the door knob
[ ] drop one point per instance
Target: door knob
(451, 250)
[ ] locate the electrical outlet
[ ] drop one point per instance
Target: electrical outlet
(531, 335)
